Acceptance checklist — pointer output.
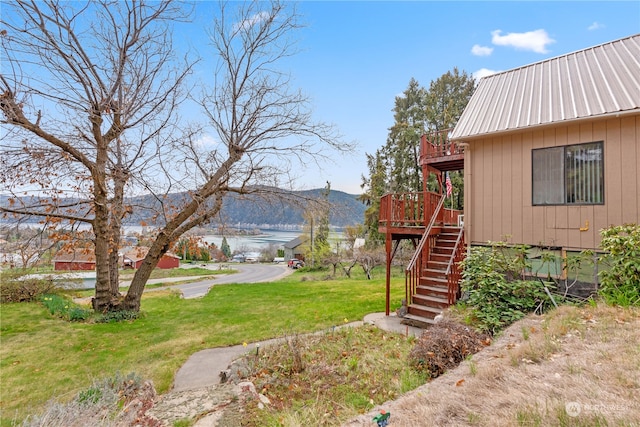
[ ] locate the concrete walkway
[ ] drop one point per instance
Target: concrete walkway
(203, 368)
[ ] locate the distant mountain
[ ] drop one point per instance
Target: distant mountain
(251, 211)
(345, 210)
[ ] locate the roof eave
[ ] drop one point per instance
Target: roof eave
(470, 137)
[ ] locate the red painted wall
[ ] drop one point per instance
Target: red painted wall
(74, 266)
(168, 262)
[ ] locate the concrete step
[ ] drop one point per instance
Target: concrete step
(419, 321)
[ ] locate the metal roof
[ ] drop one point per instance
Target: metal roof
(593, 82)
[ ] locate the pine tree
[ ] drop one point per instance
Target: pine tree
(225, 248)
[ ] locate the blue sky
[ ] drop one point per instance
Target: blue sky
(357, 56)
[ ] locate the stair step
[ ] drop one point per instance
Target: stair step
(437, 281)
(437, 265)
(432, 290)
(440, 257)
(452, 230)
(431, 301)
(431, 272)
(448, 239)
(413, 320)
(424, 310)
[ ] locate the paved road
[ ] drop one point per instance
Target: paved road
(247, 273)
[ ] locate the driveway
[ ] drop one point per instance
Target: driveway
(247, 273)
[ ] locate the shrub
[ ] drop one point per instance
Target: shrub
(621, 281)
(498, 294)
(18, 287)
(443, 346)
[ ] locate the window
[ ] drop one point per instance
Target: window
(570, 175)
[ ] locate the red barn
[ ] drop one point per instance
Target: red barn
(74, 260)
(133, 256)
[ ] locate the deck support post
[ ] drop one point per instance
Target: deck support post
(387, 245)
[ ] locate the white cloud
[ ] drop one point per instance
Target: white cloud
(253, 20)
(206, 141)
(483, 72)
(535, 41)
(478, 50)
(595, 26)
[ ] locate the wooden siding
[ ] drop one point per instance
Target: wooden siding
(498, 205)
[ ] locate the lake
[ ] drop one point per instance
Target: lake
(254, 243)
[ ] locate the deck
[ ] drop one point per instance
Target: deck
(433, 274)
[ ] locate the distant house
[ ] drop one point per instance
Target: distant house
(552, 149)
(82, 260)
(293, 248)
(133, 256)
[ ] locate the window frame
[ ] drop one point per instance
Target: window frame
(563, 173)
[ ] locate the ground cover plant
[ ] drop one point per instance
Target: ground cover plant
(43, 356)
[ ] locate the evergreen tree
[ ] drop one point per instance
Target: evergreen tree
(225, 248)
(395, 167)
(447, 98)
(316, 218)
(403, 142)
(374, 187)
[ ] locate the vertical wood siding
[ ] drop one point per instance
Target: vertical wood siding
(498, 175)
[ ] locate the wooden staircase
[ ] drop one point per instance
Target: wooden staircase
(437, 286)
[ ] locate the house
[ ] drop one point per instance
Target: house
(79, 259)
(552, 149)
(294, 248)
(133, 256)
(551, 155)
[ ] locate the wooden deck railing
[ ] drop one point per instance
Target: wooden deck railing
(421, 255)
(412, 210)
(437, 144)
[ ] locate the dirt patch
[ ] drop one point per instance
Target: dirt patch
(573, 366)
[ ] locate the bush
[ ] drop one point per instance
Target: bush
(18, 287)
(621, 281)
(443, 346)
(498, 294)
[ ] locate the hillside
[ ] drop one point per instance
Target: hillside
(254, 211)
(574, 366)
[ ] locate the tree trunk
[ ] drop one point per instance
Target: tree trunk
(115, 228)
(134, 295)
(105, 298)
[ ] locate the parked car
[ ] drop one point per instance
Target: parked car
(295, 263)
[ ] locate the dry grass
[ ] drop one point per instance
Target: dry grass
(575, 366)
(325, 379)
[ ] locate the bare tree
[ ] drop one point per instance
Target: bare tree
(90, 96)
(369, 259)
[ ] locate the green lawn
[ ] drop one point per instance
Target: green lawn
(43, 357)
